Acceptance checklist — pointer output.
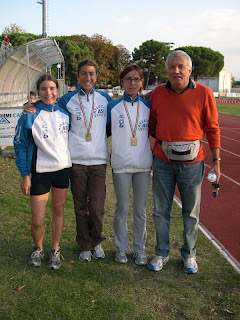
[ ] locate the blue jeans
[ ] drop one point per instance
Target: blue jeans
(188, 178)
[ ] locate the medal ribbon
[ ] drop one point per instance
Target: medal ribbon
(129, 119)
(84, 115)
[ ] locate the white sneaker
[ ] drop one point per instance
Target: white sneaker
(85, 256)
(190, 265)
(98, 252)
(157, 263)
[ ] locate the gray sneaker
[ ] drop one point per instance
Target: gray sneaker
(98, 252)
(121, 256)
(54, 260)
(85, 256)
(36, 257)
(140, 258)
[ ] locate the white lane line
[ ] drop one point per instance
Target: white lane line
(230, 128)
(237, 155)
(227, 177)
(229, 138)
(220, 248)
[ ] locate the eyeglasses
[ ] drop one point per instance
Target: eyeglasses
(136, 80)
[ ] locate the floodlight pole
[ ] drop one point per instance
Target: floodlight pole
(44, 17)
(28, 76)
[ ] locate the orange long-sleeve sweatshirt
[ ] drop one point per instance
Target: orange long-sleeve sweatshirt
(184, 117)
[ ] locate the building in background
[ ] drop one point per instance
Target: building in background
(221, 85)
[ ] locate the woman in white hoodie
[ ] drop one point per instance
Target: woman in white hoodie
(131, 161)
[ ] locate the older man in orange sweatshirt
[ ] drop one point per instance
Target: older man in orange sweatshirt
(182, 113)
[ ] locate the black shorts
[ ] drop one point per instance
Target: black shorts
(41, 183)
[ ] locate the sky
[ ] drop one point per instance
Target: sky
(209, 23)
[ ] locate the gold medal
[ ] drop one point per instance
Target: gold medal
(88, 136)
(133, 141)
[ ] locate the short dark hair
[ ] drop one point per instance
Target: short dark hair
(87, 62)
(129, 68)
(32, 93)
(48, 77)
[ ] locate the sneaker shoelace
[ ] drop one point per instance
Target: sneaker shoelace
(37, 253)
(55, 256)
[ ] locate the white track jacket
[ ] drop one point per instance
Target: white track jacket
(84, 152)
(124, 156)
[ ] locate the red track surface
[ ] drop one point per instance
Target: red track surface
(220, 217)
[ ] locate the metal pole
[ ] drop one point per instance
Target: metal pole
(28, 81)
(44, 17)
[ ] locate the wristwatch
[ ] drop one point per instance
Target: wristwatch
(216, 159)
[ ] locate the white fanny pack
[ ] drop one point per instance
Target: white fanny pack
(181, 151)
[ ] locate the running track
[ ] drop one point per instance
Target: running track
(220, 217)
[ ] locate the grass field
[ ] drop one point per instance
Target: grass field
(232, 109)
(104, 289)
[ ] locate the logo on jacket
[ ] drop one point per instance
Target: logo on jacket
(143, 125)
(121, 121)
(78, 113)
(44, 131)
(63, 127)
(99, 111)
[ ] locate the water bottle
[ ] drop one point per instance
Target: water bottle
(212, 177)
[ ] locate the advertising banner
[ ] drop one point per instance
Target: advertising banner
(8, 120)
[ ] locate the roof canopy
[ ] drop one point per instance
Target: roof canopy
(20, 69)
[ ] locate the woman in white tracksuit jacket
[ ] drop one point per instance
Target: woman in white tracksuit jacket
(131, 161)
(43, 159)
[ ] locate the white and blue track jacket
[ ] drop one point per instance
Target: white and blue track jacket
(124, 156)
(84, 152)
(47, 131)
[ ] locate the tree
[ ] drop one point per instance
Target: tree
(106, 55)
(73, 53)
(206, 62)
(151, 57)
(17, 39)
(13, 28)
(124, 56)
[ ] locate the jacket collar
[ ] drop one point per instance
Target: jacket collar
(127, 98)
(191, 85)
(83, 93)
(43, 106)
